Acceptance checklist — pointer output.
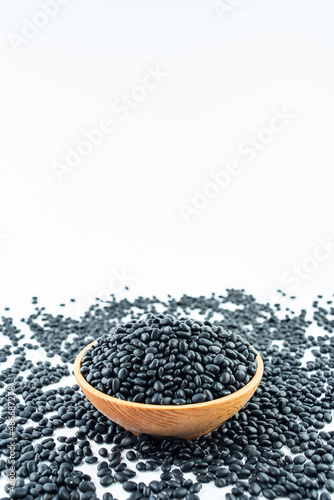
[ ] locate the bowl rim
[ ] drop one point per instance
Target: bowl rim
(253, 383)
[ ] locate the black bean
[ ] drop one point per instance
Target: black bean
(310, 471)
(107, 480)
(325, 496)
(21, 492)
(158, 386)
(86, 486)
(269, 493)
(104, 472)
(224, 378)
(255, 489)
(101, 428)
(30, 455)
(167, 320)
(330, 485)
(121, 476)
(179, 401)
(63, 493)
(50, 488)
(240, 375)
(280, 490)
(123, 374)
(139, 397)
(116, 384)
(36, 416)
(327, 458)
(128, 441)
(131, 456)
(107, 496)
(220, 482)
(180, 493)
(129, 486)
(198, 398)
(219, 359)
(156, 398)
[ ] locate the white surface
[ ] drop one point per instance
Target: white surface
(119, 209)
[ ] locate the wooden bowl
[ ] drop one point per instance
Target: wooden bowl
(180, 421)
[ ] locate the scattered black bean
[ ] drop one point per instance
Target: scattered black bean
(290, 410)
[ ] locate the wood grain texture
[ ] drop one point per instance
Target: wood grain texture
(180, 421)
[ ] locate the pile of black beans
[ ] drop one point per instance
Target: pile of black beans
(281, 444)
(169, 361)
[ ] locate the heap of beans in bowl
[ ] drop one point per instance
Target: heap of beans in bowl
(165, 360)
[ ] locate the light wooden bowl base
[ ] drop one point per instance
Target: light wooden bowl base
(179, 421)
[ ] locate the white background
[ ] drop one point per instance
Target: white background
(118, 212)
(116, 218)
